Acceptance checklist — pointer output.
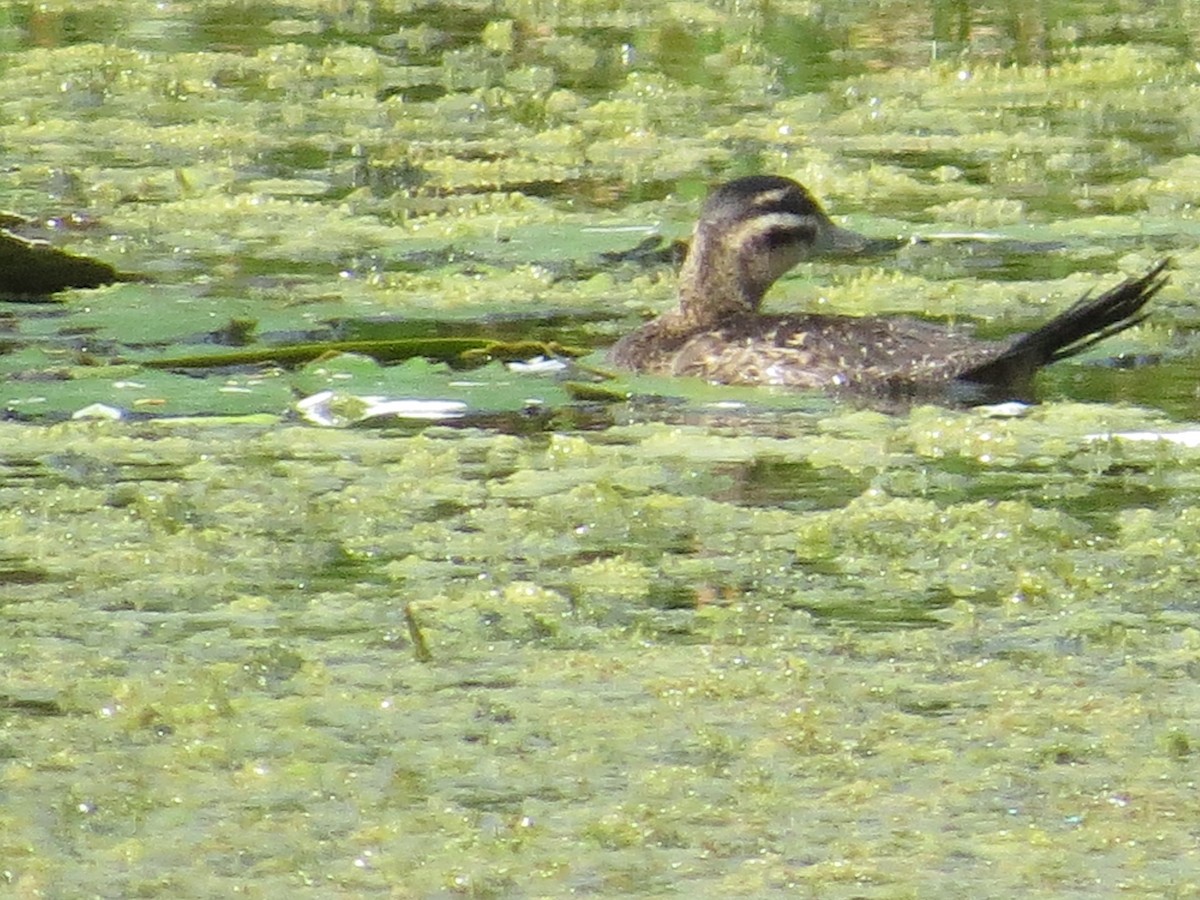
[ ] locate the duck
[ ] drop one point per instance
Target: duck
(754, 229)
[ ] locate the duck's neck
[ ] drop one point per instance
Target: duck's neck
(715, 292)
(715, 288)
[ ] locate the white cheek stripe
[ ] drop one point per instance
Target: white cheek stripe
(766, 222)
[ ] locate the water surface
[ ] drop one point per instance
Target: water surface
(723, 641)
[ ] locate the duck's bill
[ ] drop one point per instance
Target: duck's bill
(844, 242)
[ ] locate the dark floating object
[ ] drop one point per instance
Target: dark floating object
(652, 251)
(754, 229)
(462, 352)
(32, 706)
(32, 269)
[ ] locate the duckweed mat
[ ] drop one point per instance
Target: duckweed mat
(638, 637)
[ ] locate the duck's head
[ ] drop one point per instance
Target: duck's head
(752, 230)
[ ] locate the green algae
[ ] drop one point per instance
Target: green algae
(625, 668)
(750, 645)
(463, 204)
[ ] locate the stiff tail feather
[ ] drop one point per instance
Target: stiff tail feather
(1083, 325)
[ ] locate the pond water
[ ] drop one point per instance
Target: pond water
(630, 636)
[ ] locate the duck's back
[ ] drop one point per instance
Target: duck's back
(839, 353)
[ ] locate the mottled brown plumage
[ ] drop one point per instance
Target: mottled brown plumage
(754, 229)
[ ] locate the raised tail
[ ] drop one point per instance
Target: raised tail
(1073, 331)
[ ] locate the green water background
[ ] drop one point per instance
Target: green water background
(730, 643)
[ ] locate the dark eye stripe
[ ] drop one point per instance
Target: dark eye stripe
(777, 228)
(804, 233)
(765, 233)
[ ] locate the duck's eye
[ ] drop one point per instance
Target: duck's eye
(789, 235)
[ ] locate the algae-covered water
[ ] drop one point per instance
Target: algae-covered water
(701, 641)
